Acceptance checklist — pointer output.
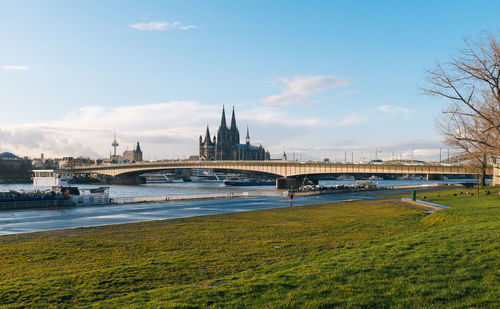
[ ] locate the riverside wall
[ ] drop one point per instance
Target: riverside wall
(180, 197)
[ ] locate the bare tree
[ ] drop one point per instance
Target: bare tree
(471, 84)
(471, 136)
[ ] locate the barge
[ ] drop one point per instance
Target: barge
(32, 199)
(238, 181)
(56, 197)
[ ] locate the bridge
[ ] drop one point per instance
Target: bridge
(286, 169)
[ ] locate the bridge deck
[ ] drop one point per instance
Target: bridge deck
(281, 168)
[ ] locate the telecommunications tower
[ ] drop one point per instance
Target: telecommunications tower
(115, 144)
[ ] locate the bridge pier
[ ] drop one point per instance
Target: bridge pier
(125, 180)
(293, 183)
(434, 177)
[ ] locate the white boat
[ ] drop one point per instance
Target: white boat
(51, 178)
(173, 180)
(160, 178)
(205, 178)
(200, 175)
(375, 177)
(80, 197)
(413, 177)
(346, 177)
(243, 181)
(59, 181)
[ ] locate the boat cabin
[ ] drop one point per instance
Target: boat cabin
(50, 178)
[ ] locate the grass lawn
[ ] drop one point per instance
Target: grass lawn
(374, 253)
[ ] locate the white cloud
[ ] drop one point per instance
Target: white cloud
(162, 26)
(266, 115)
(187, 27)
(15, 67)
(422, 150)
(350, 120)
(165, 130)
(396, 110)
(299, 88)
(171, 130)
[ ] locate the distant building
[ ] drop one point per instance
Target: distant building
(226, 146)
(134, 155)
(45, 163)
(14, 169)
(283, 156)
(68, 162)
(114, 159)
(494, 160)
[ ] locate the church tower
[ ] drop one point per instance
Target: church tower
(226, 145)
(223, 149)
(138, 153)
(235, 134)
(207, 147)
(247, 139)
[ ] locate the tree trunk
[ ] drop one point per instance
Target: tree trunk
(483, 175)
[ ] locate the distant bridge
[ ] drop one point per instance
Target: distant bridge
(288, 169)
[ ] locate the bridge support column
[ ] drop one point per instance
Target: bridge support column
(125, 180)
(293, 183)
(434, 177)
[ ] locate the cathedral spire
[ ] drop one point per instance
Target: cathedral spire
(235, 134)
(233, 121)
(247, 139)
(223, 124)
(207, 135)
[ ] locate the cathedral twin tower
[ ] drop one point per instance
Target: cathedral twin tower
(226, 146)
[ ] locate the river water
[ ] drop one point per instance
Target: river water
(32, 220)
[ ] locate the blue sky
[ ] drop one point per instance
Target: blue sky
(318, 77)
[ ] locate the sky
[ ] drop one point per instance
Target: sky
(317, 79)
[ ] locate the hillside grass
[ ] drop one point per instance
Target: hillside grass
(374, 253)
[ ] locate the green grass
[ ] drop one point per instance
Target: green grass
(378, 253)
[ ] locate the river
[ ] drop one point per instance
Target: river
(33, 220)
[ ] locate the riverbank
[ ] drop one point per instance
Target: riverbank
(372, 253)
(32, 220)
(369, 188)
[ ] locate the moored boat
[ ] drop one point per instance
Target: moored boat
(161, 178)
(238, 181)
(50, 178)
(32, 199)
(91, 196)
(346, 177)
(58, 180)
(200, 175)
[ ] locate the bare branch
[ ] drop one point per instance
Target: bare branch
(470, 82)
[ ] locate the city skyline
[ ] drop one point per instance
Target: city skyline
(324, 77)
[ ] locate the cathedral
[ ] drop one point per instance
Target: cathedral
(226, 146)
